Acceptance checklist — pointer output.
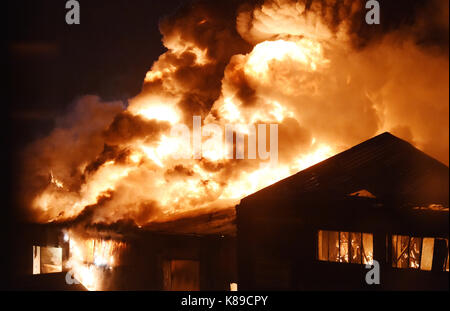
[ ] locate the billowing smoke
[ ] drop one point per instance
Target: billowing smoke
(312, 67)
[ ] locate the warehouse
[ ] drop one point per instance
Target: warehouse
(316, 230)
(381, 200)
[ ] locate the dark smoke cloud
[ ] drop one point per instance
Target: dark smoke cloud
(209, 27)
(127, 127)
(392, 77)
(77, 138)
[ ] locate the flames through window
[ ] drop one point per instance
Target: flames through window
(348, 247)
(47, 259)
(419, 253)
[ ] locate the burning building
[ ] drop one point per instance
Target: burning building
(381, 200)
(117, 207)
(195, 252)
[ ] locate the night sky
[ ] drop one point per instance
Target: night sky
(53, 63)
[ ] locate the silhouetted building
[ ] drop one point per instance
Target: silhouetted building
(381, 200)
(196, 252)
(316, 230)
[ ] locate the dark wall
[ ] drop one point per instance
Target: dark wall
(21, 268)
(142, 265)
(277, 245)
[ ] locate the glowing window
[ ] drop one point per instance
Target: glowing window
(348, 247)
(47, 259)
(233, 287)
(446, 263)
(415, 252)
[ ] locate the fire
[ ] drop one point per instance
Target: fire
(304, 51)
(180, 47)
(230, 111)
(162, 113)
(258, 179)
(321, 153)
(159, 112)
(55, 181)
(197, 185)
(282, 63)
(89, 258)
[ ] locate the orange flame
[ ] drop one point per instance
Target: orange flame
(301, 75)
(90, 257)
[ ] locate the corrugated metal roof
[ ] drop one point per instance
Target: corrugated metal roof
(390, 168)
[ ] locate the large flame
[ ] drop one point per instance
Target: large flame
(200, 186)
(281, 62)
(300, 73)
(89, 258)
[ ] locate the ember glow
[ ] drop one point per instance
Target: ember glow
(281, 62)
(191, 184)
(298, 73)
(91, 258)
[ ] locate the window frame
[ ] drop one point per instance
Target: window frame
(395, 260)
(363, 258)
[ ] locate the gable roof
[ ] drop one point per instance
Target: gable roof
(385, 165)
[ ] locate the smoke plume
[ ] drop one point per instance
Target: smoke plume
(314, 68)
